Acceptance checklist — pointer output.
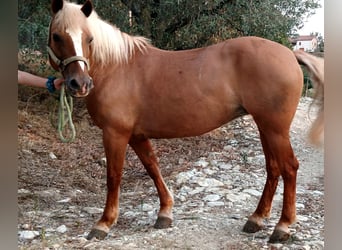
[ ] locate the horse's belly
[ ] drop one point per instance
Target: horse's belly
(185, 124)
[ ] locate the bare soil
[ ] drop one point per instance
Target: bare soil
(62, 186)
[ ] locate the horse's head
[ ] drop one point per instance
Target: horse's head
(69, 45)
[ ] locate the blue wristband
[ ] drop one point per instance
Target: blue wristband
(49, 84)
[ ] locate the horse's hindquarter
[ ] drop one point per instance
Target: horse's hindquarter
(270, 78)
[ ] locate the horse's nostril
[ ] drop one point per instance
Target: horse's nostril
(73, 84)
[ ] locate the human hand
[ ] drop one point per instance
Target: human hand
(58, 83)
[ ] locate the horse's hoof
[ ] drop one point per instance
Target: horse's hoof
(279, 236)
(163, 222)
(252, 227)
(96, 233)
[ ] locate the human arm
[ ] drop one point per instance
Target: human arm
(29, 79)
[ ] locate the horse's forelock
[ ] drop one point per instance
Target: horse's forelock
(70, 17)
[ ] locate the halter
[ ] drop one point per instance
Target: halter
(63, 63)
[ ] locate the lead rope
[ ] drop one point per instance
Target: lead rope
(65, 116)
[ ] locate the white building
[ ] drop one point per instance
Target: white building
(306, 43)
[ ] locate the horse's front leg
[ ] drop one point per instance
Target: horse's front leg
(143, 149)
(115, 148)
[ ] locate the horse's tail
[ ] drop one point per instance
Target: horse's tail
(315, 66)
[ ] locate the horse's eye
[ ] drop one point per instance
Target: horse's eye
(91, 39)
(56, 37)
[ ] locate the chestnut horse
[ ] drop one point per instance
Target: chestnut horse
(135, 91)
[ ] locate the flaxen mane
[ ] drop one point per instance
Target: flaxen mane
(110, 44)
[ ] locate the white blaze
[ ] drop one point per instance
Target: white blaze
(76, 37)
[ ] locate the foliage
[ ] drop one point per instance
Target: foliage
(179, 24)
(33, 22)
(320, 42)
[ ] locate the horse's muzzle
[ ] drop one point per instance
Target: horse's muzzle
(79, 87)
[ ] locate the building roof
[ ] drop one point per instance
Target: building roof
(303, 38)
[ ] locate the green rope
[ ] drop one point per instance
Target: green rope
(65, 116)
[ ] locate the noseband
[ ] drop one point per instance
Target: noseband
(63, 63)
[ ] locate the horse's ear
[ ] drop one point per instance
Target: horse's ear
(87, 8)
(56, 5)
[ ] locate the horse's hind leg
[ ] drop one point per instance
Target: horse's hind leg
(255, 221)
(143, 149)
(280, 160)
